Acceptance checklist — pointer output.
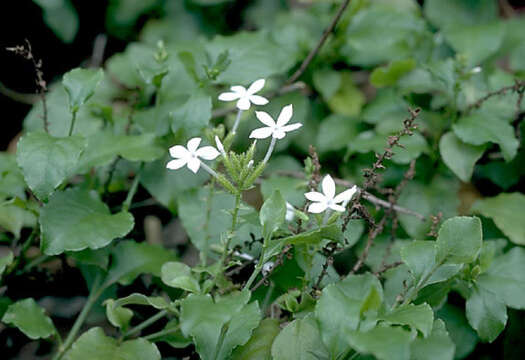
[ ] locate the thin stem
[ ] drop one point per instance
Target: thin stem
(72, 126)
(327, 214)
(237, 120)
(270, 150)
(133, 190)
(209, 170)
(161, 333)
(145, 323)
(259, 265)
(96, 291)
(232, 228)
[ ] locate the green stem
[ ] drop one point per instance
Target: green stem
(232, 229)
(145, 323)
(132, 190)
(96, 291)
(259, 265)
(414, 291)
(161, 333)
(72, 126)
(209, 202)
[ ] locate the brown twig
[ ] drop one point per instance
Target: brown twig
(27, 53)
(278, 262)
(519, 86)
(435, 219)
(386, 267)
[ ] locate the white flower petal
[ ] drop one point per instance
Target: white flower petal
(193, 144)
(261, 133)
(315, 196)
(278, 134)
(285, 115)
(228, 96)
(219, 145)
(337, 207)
(346, 195)
(176, 164)
(243, 103)
(194, 164)
(179, 152)
(265, 118)
(258, 100)
(291, 127)
(257, 85)
(207, 153)
(317, 208)
(328, 186)
(239, 90)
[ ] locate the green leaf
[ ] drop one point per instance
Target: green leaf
(61, 17)
(506, 278)
(47, 161)
(29, 318)
(260, 344)
(479, 128)
(342, 306)
(327, 82)
(507, 212)
(460, 331)
(76, 219)
(5, 261)
(11, 178)
(103, 147)
(486, 314)
(348, 100)
(118, 316)
(312, 237)
(388, 75)
(420, 256)
(130, 259)
(178, 275)
(420, 317)
(464, 12)
(272, 213)
(299, 340)
(438, 346)
(174, 338)
(219, 326)
(384, 342)
(193, 115)
(80, 85)
(157, 302)
(458, 156)
(94, 344)
(13, 218)
(335, 132)
(459, 240)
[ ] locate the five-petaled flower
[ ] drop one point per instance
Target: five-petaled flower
(244, 96)
(277, 129)
(190, 155)
(327, 199)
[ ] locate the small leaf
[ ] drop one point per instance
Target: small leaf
(94, 344)
(330, 232)
(437, 346)
(5, 261)
(388, 75)
(139, 299)
(47, 161)
(80, 85)
(61, 17)
(29, 318)
(486, 314)
(272, 213)
(76, 219)
(259, 346)
(507, 212)
(420, 317)
(384, 342)
(420, 257)
(458, 156)
(459, 240)
(178, 275)
(118, 316)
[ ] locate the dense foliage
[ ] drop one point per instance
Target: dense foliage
(229, 248)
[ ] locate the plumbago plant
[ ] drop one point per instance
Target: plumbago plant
(376, 213)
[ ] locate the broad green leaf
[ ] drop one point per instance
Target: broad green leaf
(478, 129)
(13, 218)
(76, 219)
(29, 318)
(459, 156)
(335, 132)
(384, 342)
(299, 340)
(80, 85)
(94, 344)
(460, 331)
(420, 257)
(259, 346)
(272, 213)
(130, 259)
(506, 278)
(388, 75)
(103, 147)
(507, 212)
(459, 240)
(330, 232)
(420, 317)
(291, 189)
(327, 82)
(157, 302)
(5, 261)
(348, 99)
(47, 161)
(174, 338)
(118, 316)
(219, 326)
(61, 17)
(98, 257)
(11, 178)
(178, 275)
(342, 306)
(486, 314)
(438, 346)
(193, 115)
(386, 111)
(460, 12)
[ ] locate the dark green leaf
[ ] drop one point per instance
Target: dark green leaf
(80, 85)
(384, 342)
(259, 346)
(459, 157)
(420, 317)
(272, 213)
(459, 240)
(30, 318)
(486, 314)
(438, 346)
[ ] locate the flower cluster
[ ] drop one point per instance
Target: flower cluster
(192, 156)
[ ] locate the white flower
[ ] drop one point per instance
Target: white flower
(245, 96)
(190, 155)
(219, 145)
(290, 212)
(277, 130)
(327, 199)
(267, 267)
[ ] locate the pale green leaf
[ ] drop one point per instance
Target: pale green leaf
(438, 346)
(384, 342)
(459, 240)
(272, 213)
(260, 344)
(80, 85)
(178, 275)
(459, 156)
(420, 317)
(486, 314)
(30, 318)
